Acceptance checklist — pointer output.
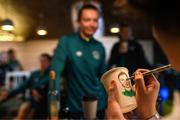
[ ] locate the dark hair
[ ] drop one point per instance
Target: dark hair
(124, 24)
(10, 51)
(46, 56)
(85, 7)
(163, 14)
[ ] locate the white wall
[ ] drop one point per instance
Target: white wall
(34, 48)
(108, 42)
(148, 49)
(28, 52)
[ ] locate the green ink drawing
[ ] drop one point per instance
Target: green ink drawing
(128, 93)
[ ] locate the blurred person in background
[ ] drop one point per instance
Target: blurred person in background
(36, 106)
(128, 52)
(166, 30)
(13, 62)
(4, 67)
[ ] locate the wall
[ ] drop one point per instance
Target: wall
(28, 52)
(148, 49)
(34, 49)
(108, 42)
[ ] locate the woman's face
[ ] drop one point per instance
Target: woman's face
(170, 45)
(123, 80)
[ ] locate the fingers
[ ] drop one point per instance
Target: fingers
(112, 86)
(139, 80)
(142, 70)
(113, 109)
(133, 88)
(112, 91)
(153, 81)
(150, 78)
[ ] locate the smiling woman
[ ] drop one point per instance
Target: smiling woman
(88, 20)
(83, 58)
(74, 16)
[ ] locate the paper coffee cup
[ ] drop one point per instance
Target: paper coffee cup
(89, 104)
(126, 98)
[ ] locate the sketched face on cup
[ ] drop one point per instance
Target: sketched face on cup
(122, 77)
(125, 95)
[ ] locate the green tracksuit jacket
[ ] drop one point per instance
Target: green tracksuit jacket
(83, 63)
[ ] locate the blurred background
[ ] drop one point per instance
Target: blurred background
(30, 28)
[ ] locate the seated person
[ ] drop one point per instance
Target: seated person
(4, 67)
(128, 52)
(37, 104)
(13, 61)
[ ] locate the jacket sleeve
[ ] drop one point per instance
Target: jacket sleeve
(58, 63)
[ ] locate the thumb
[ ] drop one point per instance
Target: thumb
(112, 90)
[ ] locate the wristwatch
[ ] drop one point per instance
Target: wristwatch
(156, 116)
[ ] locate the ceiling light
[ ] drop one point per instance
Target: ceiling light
(41, 31)
(114, 29)
(7, 25)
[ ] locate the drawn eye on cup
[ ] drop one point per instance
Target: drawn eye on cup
(125, 83)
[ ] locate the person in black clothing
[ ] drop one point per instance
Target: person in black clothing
(127, 52)
(14, 63)
(4, 67)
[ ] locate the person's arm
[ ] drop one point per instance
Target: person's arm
(6, 95)
(58, 63)
(20, 88)
(57, 67)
